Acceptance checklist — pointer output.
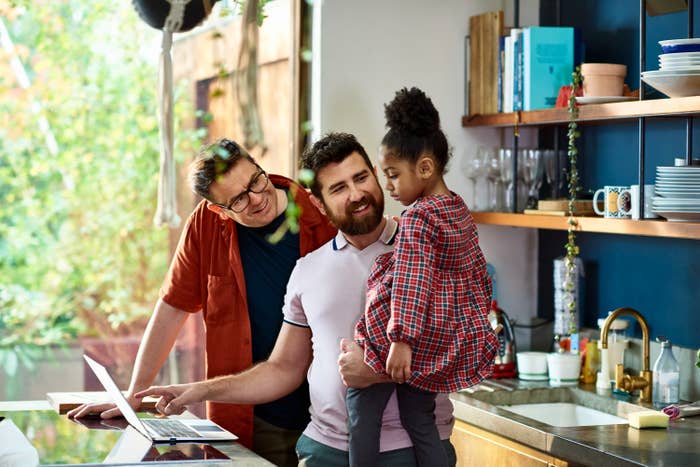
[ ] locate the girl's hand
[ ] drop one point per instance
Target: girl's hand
(398, 364)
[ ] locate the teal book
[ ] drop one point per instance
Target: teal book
(549, 57)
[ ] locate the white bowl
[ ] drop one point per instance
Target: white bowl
(673, 84)
(532, 366)
(564, 369)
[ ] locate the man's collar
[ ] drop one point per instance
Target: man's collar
(388, 235)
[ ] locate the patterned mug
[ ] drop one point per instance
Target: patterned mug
(610, 209)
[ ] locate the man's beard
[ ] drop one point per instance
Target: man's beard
(350, 225)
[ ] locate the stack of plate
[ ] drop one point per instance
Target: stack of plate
(679, 68)
(677, 191)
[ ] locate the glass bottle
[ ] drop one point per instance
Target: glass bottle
(666, 387)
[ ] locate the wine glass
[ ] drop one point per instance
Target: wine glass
(474, 168)
(493, 177)
(505, 156)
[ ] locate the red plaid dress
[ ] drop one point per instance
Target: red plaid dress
(433, 293)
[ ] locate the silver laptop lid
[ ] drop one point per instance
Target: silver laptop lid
(117, 396)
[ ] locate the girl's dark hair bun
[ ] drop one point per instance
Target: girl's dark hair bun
(411, 111)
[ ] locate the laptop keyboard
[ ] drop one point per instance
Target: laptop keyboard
(170, 428)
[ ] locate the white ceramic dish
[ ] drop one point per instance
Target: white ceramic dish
(683, 68)
(679, 216)
(603, 99)
(690, 40)
(679, 55)
(683, 61)
(681, 85)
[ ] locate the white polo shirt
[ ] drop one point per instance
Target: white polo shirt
(326, 292)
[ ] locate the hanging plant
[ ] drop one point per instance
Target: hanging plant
(572, 250)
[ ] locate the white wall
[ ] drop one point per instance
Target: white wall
(365, 50)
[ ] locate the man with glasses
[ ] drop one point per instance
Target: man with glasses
(226, 266)
(325, 298)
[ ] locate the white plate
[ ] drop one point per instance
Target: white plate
(675, 86)
(676, 216)
(683, 68)
(684, 61)
(680, 55)
(663, 73)
(603, 99)
(691, 40)
(682, 170)
(672, 184)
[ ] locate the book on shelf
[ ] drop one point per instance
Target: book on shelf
(549, 55)
(516, 35)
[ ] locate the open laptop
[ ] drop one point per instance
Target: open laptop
(160, 430)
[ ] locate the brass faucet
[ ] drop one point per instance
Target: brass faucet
(622, 380)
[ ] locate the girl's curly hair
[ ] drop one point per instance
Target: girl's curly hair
(414, 128)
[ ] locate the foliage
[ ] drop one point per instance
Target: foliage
(572, 250)
(78, 250)
(229, 7)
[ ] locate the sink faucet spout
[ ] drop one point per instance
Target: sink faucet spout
(622, 380)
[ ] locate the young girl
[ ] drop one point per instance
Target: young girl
(427, 303)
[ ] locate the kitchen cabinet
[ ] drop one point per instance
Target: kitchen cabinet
(477, 447)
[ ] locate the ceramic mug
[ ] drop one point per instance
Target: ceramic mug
(628, 202)
(610, 195)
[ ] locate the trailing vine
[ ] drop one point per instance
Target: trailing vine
(572, 250)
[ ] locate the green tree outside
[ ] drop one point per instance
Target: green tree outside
(78, 249)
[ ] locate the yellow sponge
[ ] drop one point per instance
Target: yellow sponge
(648, 419)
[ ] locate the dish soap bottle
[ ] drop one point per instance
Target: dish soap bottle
(666, 377)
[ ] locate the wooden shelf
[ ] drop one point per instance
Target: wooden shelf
(591, 113)
(651, 228)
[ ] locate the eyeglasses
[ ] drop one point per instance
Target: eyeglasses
(257, 185)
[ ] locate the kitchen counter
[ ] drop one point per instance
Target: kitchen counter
(605, 445)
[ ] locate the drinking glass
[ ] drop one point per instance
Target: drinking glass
(555, 170)
(493, 177)
(474, 168)
(532, 172)
(505, 156)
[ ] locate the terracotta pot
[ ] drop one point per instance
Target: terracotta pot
(603, 79)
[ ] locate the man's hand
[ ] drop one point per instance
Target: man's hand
(352, 367)
(175, 398)
(106, 410)
(398, 363)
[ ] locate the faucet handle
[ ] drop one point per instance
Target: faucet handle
(661, 339)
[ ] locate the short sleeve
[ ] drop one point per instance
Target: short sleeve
(179, 288)
(293, 309)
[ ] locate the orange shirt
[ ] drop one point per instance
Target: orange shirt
(207, 274)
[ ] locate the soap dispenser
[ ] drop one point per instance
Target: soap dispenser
(666, 389)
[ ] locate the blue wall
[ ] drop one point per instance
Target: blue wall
(660, 277)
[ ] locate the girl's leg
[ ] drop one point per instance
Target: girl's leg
(417, 409)
(365, 410)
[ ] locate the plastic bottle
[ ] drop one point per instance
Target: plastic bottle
(666, 389)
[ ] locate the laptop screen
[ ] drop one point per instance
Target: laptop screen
(117, 396)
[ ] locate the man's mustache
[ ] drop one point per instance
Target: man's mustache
(356, 204)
